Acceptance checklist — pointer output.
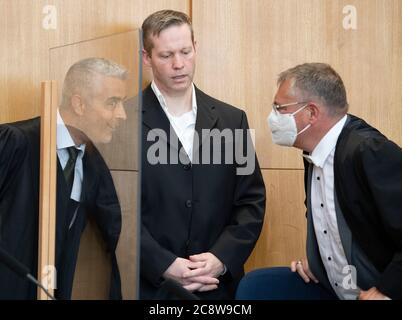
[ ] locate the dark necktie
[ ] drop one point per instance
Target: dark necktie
(69, 169)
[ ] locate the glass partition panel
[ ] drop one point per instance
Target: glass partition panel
(97, 147)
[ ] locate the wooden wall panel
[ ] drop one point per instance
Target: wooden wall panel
(243, 45)
(24, 43)
(284, 231)
(23, 58)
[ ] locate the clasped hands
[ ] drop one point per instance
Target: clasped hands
(198, 273)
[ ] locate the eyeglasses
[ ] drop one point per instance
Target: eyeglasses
(278, 107)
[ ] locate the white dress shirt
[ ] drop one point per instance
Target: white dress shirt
(63, 141)
(183, 125)
(324, 214)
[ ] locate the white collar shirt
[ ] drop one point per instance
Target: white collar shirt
(183, 125)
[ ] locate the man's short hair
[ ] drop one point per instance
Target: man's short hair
(158, 21)
(320, 81)
(81, 76)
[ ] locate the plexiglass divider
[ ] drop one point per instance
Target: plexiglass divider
(97, 230)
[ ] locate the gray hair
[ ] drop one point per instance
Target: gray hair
(320, 81)
(80, 78)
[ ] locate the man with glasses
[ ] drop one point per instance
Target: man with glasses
(353, 187)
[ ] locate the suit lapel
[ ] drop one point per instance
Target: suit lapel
(206, 119)
(62, 190)
(344, 231)
(153, 117)
(62, 200)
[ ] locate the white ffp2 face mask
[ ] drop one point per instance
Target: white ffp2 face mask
(283, 127)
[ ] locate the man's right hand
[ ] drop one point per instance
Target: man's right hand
(180, 266)
(302, 268)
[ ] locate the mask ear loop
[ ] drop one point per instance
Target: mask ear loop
(297, 111)
(306, 127)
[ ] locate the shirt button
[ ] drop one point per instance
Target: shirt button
(325, 232)
(322, 205)
(187, 167)
(318, 178)
(329, 258)
(336, 284)
(189, 203)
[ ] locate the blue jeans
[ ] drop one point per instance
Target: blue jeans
(280, 283)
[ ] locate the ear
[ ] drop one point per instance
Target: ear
(77, 104)
(146, 58)
(315, 111)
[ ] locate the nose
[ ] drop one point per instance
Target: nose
(177, 62)
(120, 112)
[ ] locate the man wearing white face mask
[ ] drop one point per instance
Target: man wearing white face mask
(283, 125)
(353, 187)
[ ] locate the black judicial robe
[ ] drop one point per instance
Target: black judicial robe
(19, 211)
(368, 185)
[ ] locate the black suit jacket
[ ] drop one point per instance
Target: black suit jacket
(368, 184)
(193, 208)
(19, 204)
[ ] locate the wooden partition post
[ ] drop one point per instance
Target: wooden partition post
(47, 198)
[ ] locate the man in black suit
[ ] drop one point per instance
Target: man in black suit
(90, 110)
(202, 206)
(353, 183)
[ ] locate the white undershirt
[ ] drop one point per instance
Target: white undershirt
(324, 214)
(183, 125)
